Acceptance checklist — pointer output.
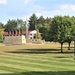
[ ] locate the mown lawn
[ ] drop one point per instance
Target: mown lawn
(44, 59)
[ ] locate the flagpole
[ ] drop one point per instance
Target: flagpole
(26, 28)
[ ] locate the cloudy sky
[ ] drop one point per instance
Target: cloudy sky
(13, 9)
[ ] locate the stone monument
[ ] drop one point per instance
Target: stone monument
(15, 37)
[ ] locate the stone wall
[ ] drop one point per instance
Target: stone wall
(35, 41)
(14, 40)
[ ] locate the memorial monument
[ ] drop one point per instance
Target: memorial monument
(15, 37)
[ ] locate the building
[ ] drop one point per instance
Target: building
(21, 37)
(31, 34)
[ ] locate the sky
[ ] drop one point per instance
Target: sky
(22, 9)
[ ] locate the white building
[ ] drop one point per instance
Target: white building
(32, 34)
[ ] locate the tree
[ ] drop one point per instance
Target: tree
(68, 27)
(58, 31)
(44, 33)
(21, 24)
(40, 20)
(73, 28)
(1, 32)
(1, 25)
(38, 35)
(11, 25)
(69, 23)
(44, 26)
(33, 22)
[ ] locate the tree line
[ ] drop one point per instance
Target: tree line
(57, 29)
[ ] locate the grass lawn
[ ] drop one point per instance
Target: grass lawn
(29, 59)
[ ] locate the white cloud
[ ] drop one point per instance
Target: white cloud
(68, 7)
(3, 1)
(28, 1)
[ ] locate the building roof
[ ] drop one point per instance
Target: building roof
(23, 32)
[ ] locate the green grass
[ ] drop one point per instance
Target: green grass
(44, 59)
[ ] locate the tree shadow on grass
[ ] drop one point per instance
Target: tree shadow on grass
(35, 51)
(44, 73)
(70, 47)
(38, 51)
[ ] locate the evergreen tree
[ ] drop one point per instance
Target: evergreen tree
(33, 22)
